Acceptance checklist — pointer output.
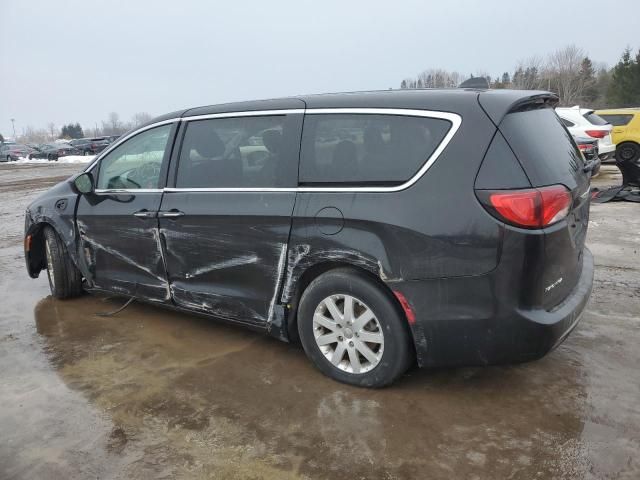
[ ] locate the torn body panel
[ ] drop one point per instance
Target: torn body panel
(120, 252)
(56, 208)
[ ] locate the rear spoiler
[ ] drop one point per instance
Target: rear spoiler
(498, 103)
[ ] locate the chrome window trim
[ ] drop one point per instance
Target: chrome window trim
(124, 139)
(250, 113)
(454, 118)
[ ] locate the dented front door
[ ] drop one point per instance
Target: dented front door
(118, 225)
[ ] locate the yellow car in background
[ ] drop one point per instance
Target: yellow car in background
(625, 133)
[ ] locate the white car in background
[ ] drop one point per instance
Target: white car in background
(583, 122)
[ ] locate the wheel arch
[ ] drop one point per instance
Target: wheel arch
(35, 256)
(312, 272)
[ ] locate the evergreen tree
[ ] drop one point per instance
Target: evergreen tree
(1, 138)
(624, 88)
(505, 79)
(71, 131)
(589, 84)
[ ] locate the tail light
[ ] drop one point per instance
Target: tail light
(585, 147)
(528, 208)
(597, 133)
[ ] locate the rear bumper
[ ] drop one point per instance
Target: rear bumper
(604, 148)
(473, 321)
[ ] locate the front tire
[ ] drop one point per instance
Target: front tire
(352, 329)
(65, 280)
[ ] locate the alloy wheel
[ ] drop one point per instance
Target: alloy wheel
(348, 333)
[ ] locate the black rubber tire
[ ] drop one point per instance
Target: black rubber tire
(67, 279)
(627, 147)
(398, 351)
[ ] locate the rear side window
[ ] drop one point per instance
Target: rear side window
(366, 148)
(618, 120)
(595, 119)
(544, 147)
(566, 122)
(242, 152)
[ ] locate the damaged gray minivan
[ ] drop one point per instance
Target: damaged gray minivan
(379, 229)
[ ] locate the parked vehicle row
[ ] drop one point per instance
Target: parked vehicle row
(585, 123)
(380, 229)
(53, 151)
(11, 151)
(90, 146)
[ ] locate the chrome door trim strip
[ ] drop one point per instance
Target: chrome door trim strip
(127, 191)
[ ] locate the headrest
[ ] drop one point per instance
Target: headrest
(272, 139)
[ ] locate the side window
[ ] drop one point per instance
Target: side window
(367, 149)
(566, 122)
(618, 120)
(136, 163)
(240, 152)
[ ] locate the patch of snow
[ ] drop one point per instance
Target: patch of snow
(67, 159)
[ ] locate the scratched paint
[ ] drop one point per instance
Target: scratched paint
(232, 262)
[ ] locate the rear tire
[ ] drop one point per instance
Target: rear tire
(65, 279)
(337, 348)
(627, 152)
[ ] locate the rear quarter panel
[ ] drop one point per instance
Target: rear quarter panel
(435, 228)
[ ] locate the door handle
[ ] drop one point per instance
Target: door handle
(171, 214)
(144, 213)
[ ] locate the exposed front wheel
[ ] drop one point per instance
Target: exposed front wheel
(352, 330)
(65, 279)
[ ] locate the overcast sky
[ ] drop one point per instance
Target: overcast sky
(78, 60)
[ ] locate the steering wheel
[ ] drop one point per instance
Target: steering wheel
(147, 174)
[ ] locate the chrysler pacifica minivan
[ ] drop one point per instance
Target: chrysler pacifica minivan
(378, 229)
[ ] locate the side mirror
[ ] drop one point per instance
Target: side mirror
(83, 183)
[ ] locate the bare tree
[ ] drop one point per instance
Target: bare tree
(52, 130)
(113, 125)
(139, 119)
(32, 135)
(438, 78)
(564, 72)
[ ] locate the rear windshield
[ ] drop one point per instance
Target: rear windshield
(369, 149)
(544, 147)
(618, 120)
(595, 119)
